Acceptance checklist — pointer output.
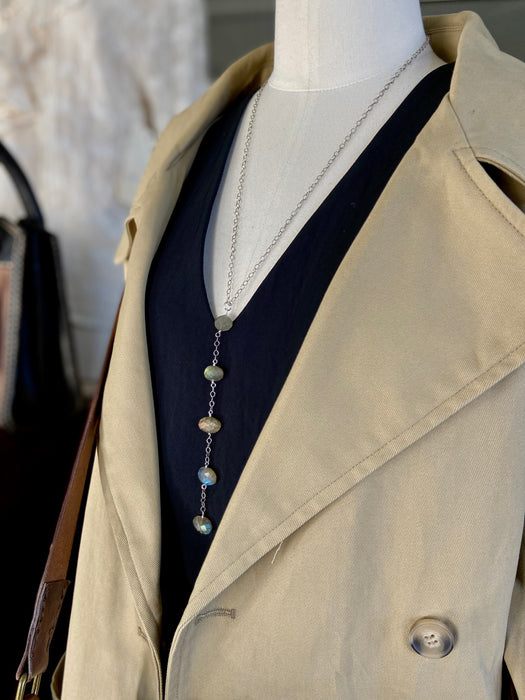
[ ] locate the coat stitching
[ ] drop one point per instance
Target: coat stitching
(219, 612)
(492, 204)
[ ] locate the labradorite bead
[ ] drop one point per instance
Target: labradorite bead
(213, 373)
(207, 476)
(223, 323)
(209, 424)
(202, 525)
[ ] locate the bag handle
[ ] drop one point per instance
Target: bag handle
(53, 584)
(24, 189)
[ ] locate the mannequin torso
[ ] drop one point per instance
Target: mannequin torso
(332, 57)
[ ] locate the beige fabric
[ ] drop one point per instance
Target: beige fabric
(388, 482)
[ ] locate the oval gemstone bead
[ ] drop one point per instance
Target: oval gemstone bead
(213, 373)
(223, 323)
(210, 424)
(207, 476)
(202, 525)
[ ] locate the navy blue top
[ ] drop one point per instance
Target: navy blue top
(258, 352)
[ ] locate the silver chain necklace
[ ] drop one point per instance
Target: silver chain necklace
(213, 373)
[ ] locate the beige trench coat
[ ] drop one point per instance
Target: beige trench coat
(388, 484)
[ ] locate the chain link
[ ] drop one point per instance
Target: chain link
(203, 500)
(216, 346)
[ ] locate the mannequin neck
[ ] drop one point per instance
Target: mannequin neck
(326, 44)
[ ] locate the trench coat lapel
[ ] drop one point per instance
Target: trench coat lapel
(424, 314)
(127, 452)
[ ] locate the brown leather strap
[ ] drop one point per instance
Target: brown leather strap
(54, 581)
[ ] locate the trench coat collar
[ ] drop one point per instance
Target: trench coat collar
(431, 311)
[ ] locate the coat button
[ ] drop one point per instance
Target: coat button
(432, 638)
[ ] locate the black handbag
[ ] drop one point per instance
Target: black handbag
(38, 378)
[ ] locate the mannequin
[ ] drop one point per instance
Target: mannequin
(369, 545)
(325, 75)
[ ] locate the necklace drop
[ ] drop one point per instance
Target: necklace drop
(213, 373)
(202, 525)
(223, 323)
(207, 476)
(209, 424)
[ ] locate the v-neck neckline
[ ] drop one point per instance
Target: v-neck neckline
(233, 122)
(270, 331)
